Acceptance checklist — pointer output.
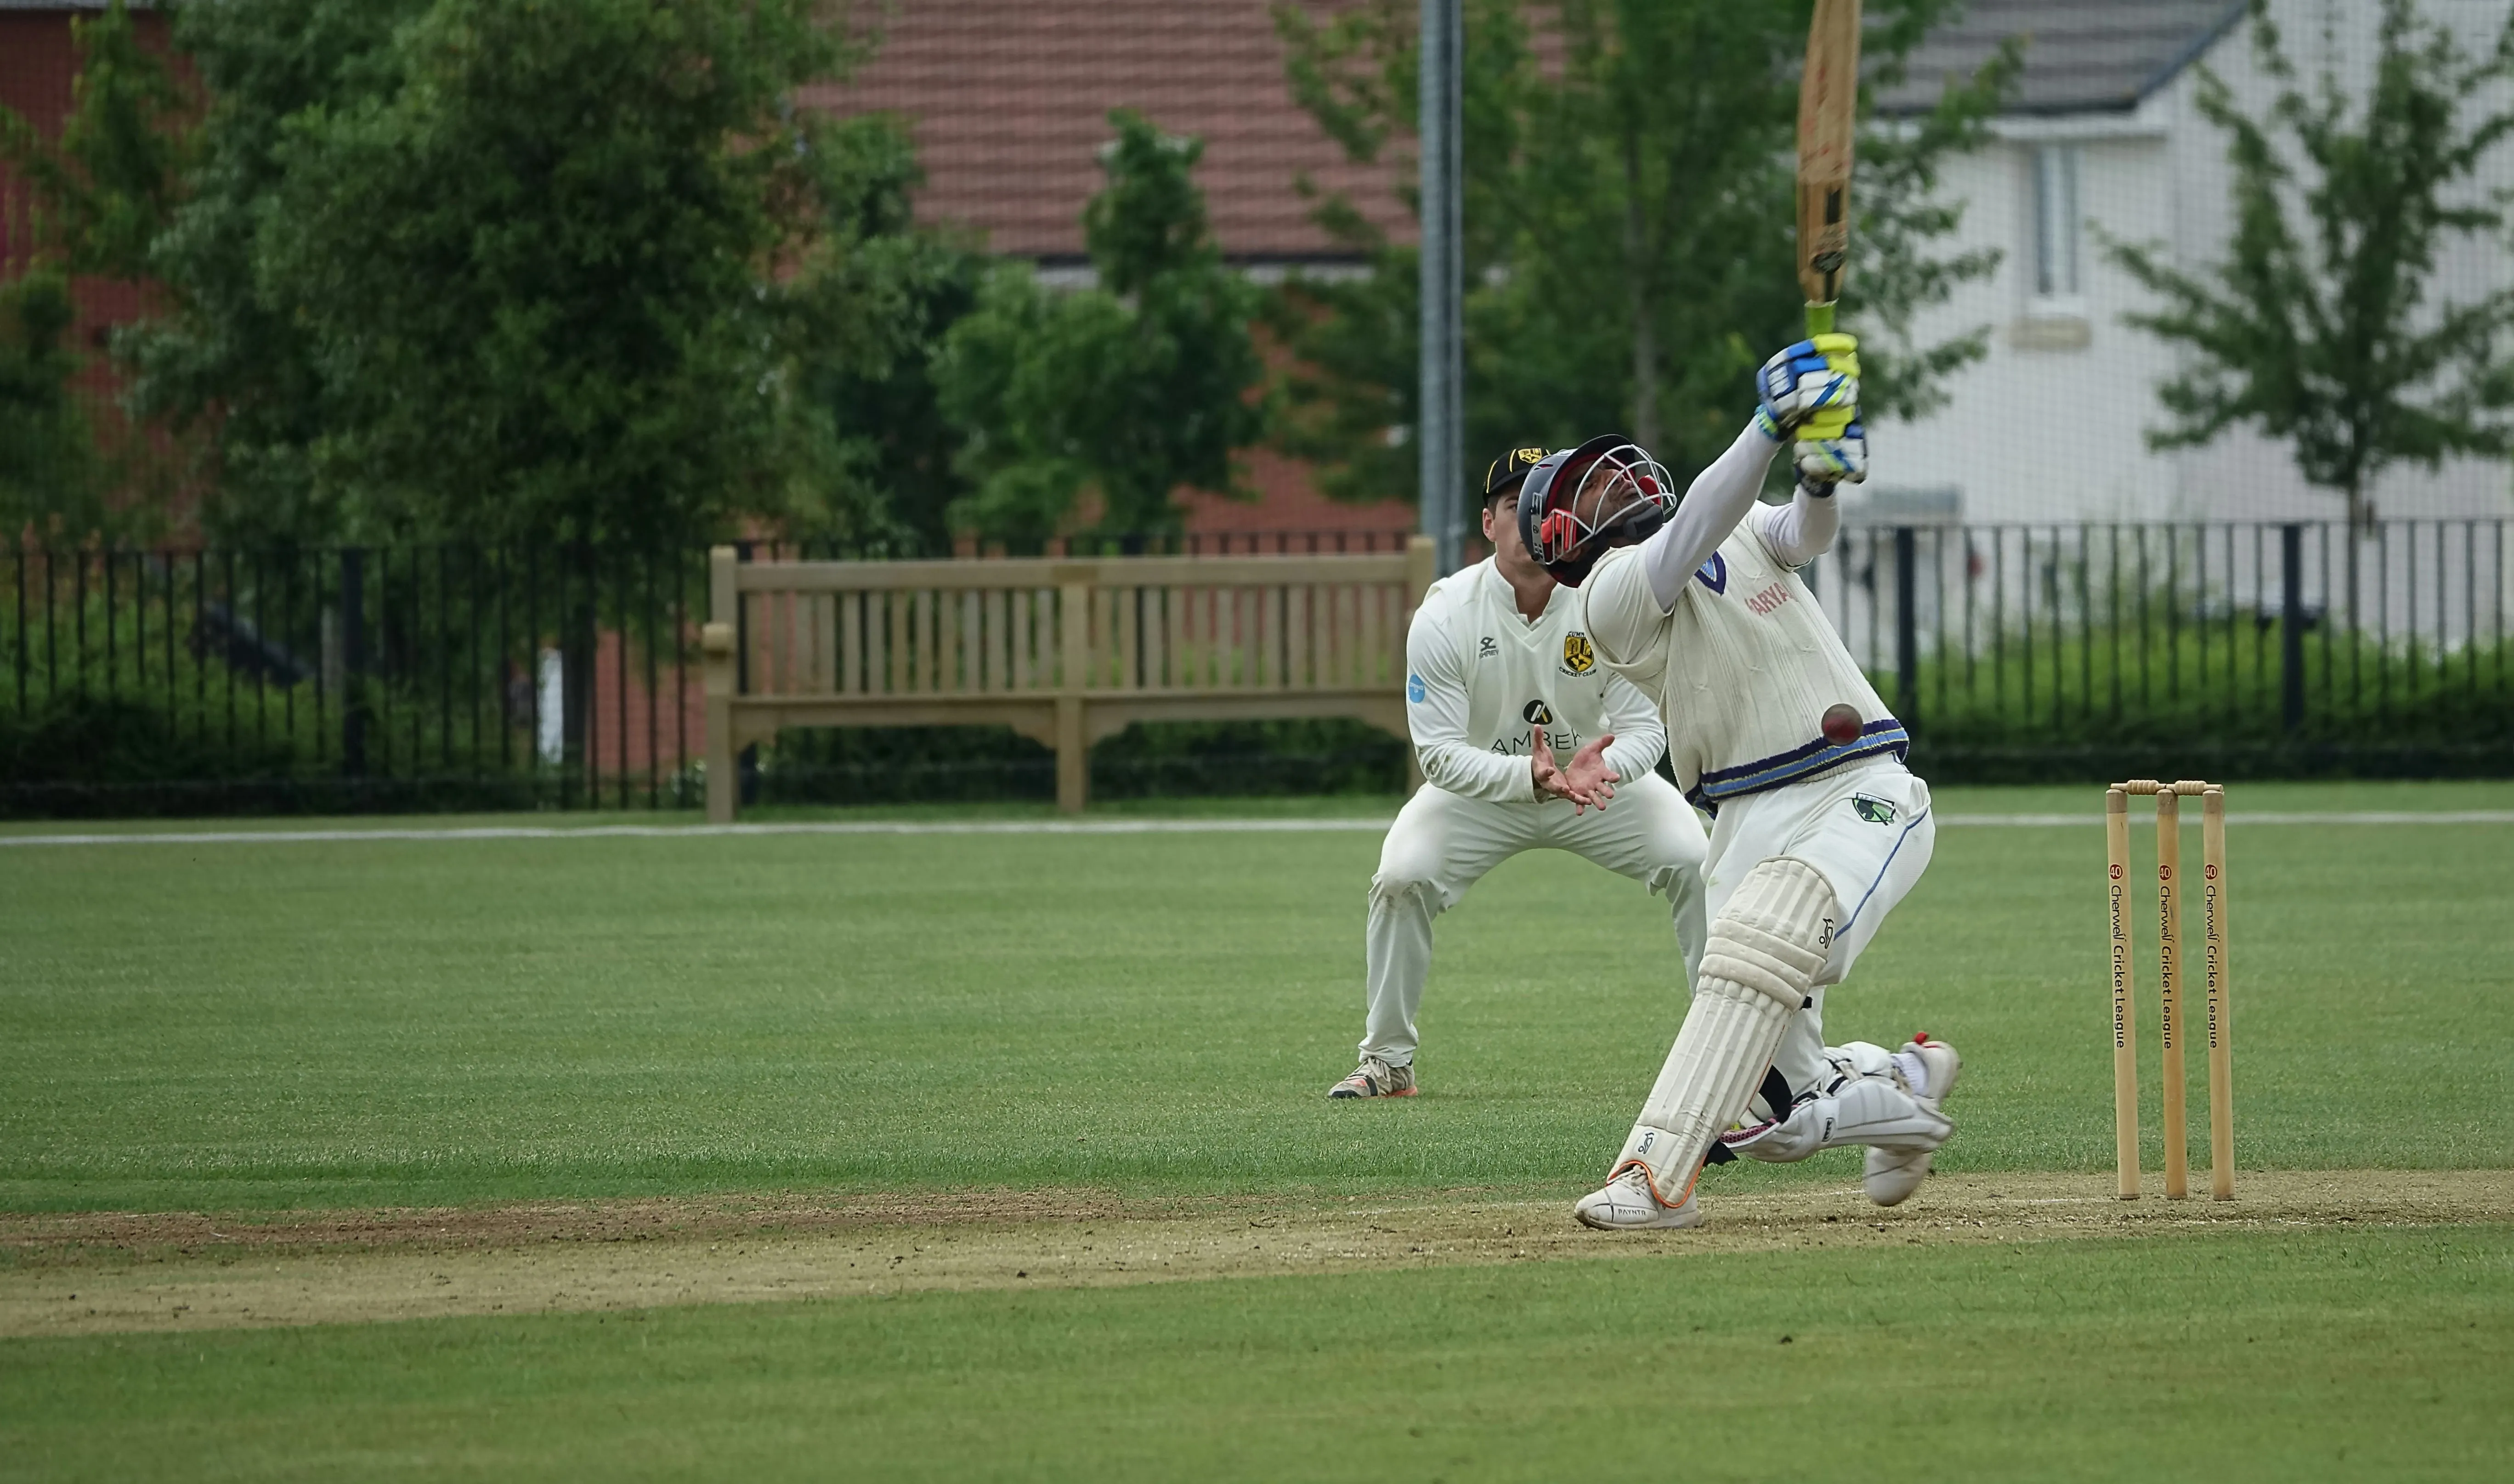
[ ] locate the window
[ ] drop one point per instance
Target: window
(2055, 222)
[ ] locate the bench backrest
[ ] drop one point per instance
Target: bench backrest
(1066, 651)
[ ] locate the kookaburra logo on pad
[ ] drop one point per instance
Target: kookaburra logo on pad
(1578, 656)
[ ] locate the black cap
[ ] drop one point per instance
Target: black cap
(1508, 470)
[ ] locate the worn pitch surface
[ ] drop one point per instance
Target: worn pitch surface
(117, 1273)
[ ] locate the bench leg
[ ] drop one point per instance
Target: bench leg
(1073, 755)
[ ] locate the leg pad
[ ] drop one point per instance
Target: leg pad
(1763, 953)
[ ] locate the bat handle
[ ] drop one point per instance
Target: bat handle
(1819, 320)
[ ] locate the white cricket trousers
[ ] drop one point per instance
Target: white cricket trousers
(1443, 844)
(1867, 829)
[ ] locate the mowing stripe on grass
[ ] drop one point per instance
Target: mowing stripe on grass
(1095, 827)
(685, 831)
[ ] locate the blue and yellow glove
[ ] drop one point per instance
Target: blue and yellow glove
(1809, 393)
(1823, 462)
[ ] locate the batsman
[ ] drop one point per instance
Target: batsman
(1818, 827)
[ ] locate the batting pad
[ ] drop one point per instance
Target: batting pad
(1762, 954)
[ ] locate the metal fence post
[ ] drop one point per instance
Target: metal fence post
(353, 662)
(1440, 423)
(579, 619)
(1907, 629)
(745, 762)
(2292, 626)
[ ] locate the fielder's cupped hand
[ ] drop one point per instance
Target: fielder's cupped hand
(1588, 783)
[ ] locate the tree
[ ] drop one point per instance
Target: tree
(524, 272)
(2319, 333)
(891, 482)
(48, 461)
(1130, 391)
(100, 192)
(226, 363)
(1627, 225)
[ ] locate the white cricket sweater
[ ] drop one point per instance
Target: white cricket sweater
(1480, 679)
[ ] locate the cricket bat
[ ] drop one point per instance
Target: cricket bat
(1828, 118)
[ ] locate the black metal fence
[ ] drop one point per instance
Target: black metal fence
(450, 677)
(1263, 542)
(2241, 646)
(346, 679)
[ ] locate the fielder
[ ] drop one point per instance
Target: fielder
(1504, 694)
(1818, 827)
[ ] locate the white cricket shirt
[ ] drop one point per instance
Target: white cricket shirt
(1744, 667)
(1480, 679)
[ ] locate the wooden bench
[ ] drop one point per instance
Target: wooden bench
(1066, 652)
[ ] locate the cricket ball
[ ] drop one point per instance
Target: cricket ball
(1841, 723)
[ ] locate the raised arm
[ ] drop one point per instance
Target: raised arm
(1718, 498)
(1800, 532)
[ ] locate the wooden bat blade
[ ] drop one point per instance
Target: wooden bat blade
(1828, 120)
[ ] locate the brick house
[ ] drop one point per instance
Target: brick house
(1008, 103)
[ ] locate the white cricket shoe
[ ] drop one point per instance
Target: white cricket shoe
(1375, 1078)
(1627, 1203)
(1892, 1174)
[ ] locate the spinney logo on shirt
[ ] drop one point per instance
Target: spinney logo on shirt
(1578, 658)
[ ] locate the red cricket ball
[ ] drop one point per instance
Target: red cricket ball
(1841, 723)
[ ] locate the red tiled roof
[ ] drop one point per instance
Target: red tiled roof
(1010, 99)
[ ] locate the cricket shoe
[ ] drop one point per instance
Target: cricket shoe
(1892, 1174)
(1375, 1078)
(1627, 1203)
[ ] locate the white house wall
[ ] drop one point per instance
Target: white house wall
(2043, 432)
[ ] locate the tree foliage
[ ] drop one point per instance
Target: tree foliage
(47, 463)
(1129, 391)
(524, 271)
(100, 192)
(2316, 327)
(889, 475)
(1628, 173)
(104, 187)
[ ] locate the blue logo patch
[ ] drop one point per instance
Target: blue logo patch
(1715, 573)
(1414, 689)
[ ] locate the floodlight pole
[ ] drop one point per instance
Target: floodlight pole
(1440, 429)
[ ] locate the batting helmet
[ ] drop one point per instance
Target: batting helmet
(1577, 504)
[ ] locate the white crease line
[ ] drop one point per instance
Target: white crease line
(2095, 816)
(1087, 827)
(686, 831)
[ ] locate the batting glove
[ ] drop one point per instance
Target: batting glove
(1810, 391)
(1824, 462)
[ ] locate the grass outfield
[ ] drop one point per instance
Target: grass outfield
(655, 1078)
(2308, 1354)
(394, 1022)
